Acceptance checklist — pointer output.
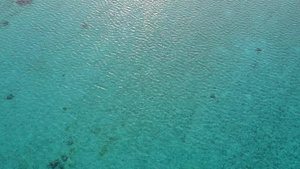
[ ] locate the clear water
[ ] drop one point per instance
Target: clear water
(200, 84)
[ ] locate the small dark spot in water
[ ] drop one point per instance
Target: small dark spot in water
(65, 108)
(103, 150)
(54, 164)
(5, 23)
(258, 49)
(70, 142)
(63, 75)
(255, 65)
(182, 139)
(64, 158)
(24, 2)
(61, 166)
(84, 26)
(113, 138)
(10, 96)
(212, 96)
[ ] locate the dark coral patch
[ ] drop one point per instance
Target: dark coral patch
(24, 2)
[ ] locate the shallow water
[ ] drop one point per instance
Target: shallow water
(150, 84)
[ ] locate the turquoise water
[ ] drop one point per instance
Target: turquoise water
(200, 84)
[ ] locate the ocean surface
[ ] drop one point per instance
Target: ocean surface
(150, 84)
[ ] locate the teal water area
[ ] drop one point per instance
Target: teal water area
(158, 84)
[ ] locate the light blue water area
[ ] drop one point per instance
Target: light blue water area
(200, 84)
